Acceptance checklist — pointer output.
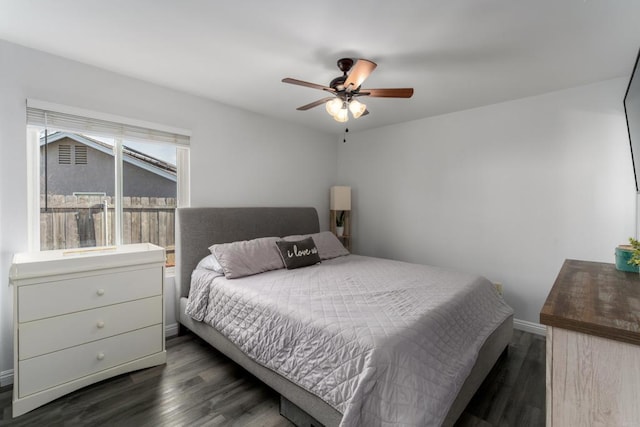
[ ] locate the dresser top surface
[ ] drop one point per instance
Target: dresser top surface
(596, 299)
(28, 265)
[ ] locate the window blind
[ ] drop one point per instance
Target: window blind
(91, 123)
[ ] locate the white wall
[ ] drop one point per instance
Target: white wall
(508, 190)
(237, 158)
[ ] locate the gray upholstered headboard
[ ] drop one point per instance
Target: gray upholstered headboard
(199, 228)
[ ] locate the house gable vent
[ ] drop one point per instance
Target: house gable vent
(80, 152)
(64, 154)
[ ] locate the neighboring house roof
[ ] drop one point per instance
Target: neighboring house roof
(134, 157)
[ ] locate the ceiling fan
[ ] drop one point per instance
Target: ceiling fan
(346, 88)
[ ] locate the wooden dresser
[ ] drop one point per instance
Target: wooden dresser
(83, 316)
(593, 346)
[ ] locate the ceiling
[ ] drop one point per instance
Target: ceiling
(457, 54)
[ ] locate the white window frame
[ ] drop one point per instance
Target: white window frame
(183, 189)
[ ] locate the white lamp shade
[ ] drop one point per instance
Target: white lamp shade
(340, 198)
(341, 116)
(357, 108)
(333, 106)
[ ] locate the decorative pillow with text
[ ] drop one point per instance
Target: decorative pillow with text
(300, 253)
(327, 243)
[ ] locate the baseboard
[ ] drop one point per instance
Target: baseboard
(6, 377)
(534, 328)
(171, 330)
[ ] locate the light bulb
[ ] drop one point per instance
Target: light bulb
(333, 106)
(357, 108)
(342, 115)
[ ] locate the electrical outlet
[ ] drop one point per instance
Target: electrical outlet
(498, 287)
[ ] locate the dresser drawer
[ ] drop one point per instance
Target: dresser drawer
(57, 333)
(43, 372)
(84, 292)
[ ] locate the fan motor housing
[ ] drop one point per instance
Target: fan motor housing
(345, 64)
(338, 83)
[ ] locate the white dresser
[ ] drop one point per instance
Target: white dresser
(81, 316)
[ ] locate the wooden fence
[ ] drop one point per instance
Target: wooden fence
(78, 221)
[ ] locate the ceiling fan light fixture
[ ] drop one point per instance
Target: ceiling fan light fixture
(347, 87)
(342, 115)
(333, 106)
(357, 108)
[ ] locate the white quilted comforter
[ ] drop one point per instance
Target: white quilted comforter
(384, 342)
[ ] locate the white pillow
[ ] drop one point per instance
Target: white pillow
(327, 243)
(248, 257)
(210, 262)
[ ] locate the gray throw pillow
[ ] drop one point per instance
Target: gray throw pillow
(247, 257)
(298, 254)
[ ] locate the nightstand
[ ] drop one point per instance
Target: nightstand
(345, 238)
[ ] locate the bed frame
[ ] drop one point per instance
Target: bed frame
(199, 228)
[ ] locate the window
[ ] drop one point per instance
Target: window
(76, 202)
(102, 183)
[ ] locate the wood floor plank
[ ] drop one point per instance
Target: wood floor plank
(201, 387)
(513, 394)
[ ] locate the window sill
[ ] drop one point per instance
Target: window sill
(169, 272)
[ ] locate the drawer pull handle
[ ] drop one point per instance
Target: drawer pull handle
(100, 356)
(100, 292)
(100, 324)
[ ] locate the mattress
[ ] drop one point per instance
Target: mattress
(383, 342)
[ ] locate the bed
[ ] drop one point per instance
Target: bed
(199, 228)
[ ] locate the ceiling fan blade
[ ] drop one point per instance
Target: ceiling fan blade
(406, 92)
(358, 74)
(315, 104)
(307, 84)
(365, 113)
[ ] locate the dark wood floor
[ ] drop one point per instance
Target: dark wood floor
(513, 394)
(200, 387)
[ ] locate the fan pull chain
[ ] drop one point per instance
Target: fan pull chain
(344, 136)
